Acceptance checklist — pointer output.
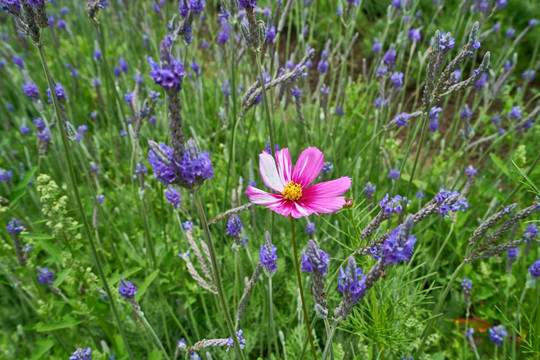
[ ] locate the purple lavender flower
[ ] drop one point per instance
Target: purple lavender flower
(471, 171)
(17, 60)
(434, 113)
(192, 170)
(268, 257)
(397, 4)
(402, 120)
(234, 226)
(97, 54)
(507, 65)
(5, 175)
(415, 35)
(223, 35)
(510, 33)
(482, 81)
(399, 246)
(397, 79)
(14, 227)
(497, 335)
(531, 232)
(534, 269)
(270, 34)
(377, 46)
(315, 261)
(94, 168)
(512, 253)
(381, 70)
(466, 284)
(392, 206)
(61, 24)
(349, 282)
(45, 276)
(31, 90)
(195, 67)
(501, 3)
(446, 42)
(393, 174)
(327, 167)
(515, 113)
(322, 67)
(389, 57)
(533, 22)
(466, 112)
(187, 225)
(267, 148)
(243, 4)
(241, 339)
(173, 196)
(59, 91)
(528, 75)
(497, 27)
(25, 130)
(369, 189)
(169, 76)
(126, 289)
(379, 102)
(81, 354)
(310, 228)
(128, 98)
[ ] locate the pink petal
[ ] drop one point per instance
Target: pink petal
(308, 166)
(269, 173)
(324, 205)
(300, 210)
(261, 197)
(282, 207)
(284, 165)
(328, 188)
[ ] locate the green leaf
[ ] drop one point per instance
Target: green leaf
(155, 355)
(146, 283)
(54, 251)
(35, 236)
(43, 346)
(66, 323)
(499, 163)
(126, 274)
(20, 190)
(61, 277)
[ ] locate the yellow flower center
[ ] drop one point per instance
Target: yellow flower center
(292, 191)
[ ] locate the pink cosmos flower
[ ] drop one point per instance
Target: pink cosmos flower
(295, 197)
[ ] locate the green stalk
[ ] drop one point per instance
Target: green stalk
(329, 340)
(217, 275)
(149, 327)
(75, 189)
(269, 122)
(299, 277)
(422, 136)
(437, 309)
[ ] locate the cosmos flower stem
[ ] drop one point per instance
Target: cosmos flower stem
(217, 275)
(75, 189)
(437, 310)
(299, 277)
(269, 123)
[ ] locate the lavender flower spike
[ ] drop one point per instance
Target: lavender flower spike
(268, 255)
(351, 286)
(316, 262)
